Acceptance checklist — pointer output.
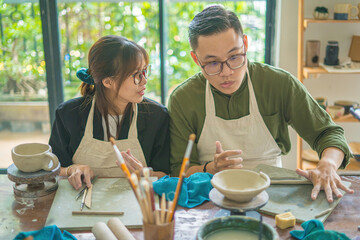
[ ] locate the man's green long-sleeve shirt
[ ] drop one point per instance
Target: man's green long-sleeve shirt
(282, 101)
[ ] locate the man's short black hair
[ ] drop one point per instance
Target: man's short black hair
(213, 19)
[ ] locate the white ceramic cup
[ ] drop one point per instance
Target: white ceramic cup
(346, 8)
(335, 111)
(32, 157)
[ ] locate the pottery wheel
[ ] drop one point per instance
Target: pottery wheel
(257, 202)
(34, 184)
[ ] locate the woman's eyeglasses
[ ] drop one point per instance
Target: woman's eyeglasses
(140, 75)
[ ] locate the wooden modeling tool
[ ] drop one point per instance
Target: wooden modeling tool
(83, 189)
(88, 197)
(162, 207)
(96, 213)
(83, 200)
(184, 165)
(170, 203)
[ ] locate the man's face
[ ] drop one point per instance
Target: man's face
(219, 48)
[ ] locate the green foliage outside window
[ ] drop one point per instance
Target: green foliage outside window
(22, 68)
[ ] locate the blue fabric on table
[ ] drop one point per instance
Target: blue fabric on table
(195, 189)
(314, 230)
(47, 233)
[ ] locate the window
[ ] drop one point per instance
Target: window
(180, 13)
(81, 23)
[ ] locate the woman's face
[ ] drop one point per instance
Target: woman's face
(132, 89)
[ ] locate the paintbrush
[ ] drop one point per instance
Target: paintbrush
(162, 207)
(139, 197)
(121, 161)
(147, 198)
(170, 203)
(184, 165)
(146, 174)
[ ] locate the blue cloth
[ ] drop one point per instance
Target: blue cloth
(195, 189)
(47, 233)
(84, 76)
(314, 230)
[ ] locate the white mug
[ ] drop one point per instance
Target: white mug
(344, 11)
(335, 111)
(32, 157)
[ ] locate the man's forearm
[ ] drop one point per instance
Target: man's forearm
(333, 156)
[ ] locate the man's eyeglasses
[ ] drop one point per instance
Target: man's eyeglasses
(143, 74)
(216, 67)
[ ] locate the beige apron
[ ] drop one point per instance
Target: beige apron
(100, 156)
(248, 134)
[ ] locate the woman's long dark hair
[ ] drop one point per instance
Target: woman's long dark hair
(112, 56)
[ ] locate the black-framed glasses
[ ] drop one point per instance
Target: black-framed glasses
(140, 75)
(234, 62)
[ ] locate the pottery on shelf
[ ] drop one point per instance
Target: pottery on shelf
(321, 13)
(347, 105)
(240, 185)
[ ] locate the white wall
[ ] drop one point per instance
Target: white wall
(333, 87)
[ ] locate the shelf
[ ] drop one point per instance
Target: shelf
(311, 20)
(307, 71)
(346, 118)
(353, 165)
(310, 155)
(310, 158)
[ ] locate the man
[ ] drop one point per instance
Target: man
(240, 110)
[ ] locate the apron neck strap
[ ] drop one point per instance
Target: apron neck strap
(209, 100)
(133, 126)
(90, 121)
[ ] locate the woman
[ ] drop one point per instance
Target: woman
(112, 105)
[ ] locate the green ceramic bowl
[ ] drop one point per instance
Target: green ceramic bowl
(242, 223)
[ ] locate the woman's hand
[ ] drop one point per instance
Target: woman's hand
(78, 173)
(131, 162)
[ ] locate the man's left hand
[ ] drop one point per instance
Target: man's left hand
(324, 177)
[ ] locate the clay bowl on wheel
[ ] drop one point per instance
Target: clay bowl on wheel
(240, 185)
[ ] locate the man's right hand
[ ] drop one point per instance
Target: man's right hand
(229, 159)
(79, 172)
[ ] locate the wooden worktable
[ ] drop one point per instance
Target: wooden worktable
(21, 214)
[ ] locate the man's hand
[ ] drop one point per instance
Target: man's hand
(324, 177)
(223, 159)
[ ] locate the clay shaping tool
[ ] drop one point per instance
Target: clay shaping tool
(83, 200)
(82, 190)
(96, 213)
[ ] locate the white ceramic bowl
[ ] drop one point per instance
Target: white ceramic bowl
(240, 185)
